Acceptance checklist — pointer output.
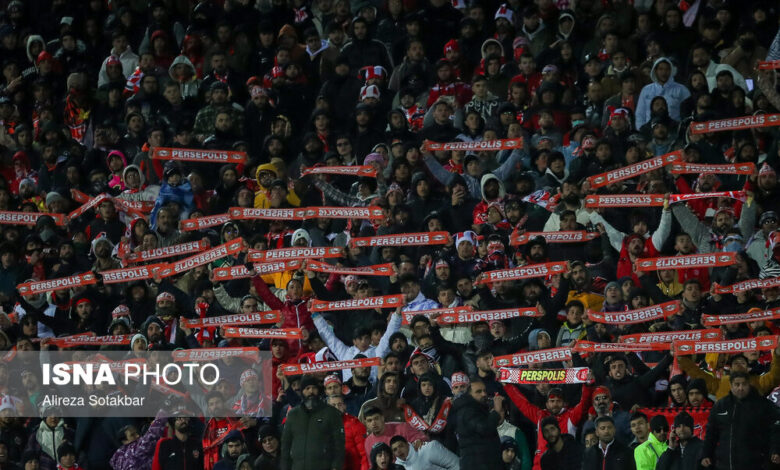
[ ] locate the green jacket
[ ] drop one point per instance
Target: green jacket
(313, 439)
(646, 455)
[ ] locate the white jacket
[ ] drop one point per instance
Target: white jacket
(431, 456)
(345, 353)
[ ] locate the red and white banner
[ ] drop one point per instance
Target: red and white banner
(218, 252)
(385, 301)
(488, 315)
(403, 239)
(575, 375)
(165, 252)
(215, 354)
(591, 347)
(485, 145)
(327, 366)
(88, 205)
(189, 225)
(375, 270)
(198, 155)
(769, 65)
(90, 340)
(573, 236)
(762, 343)
(672, 336)
(436, 312)
(355, 170)
(533, 357)
(638, 168)
(136, 207)
(256, 213)
(740, 195)
(245, 319)
(735, 318)
(640, 315)
(724, 169)
(750, 284)
(709, 260)
(372, 213)
(299, 253)
(240, 271)
(624, 200)
(524, 272)
(137, 273)
(241, 332)
(39, 287)
(735, 124)
(28, 218)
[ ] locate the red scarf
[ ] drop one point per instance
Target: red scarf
(439, 422)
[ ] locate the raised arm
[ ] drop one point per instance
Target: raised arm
(338, 348)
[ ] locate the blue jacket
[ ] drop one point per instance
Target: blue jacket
(671, 91)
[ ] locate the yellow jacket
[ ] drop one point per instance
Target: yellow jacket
(261, 196)
(280, 280)
(590, 300)
(720, 386)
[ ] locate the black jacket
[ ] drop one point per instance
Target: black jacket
(570, 457)
(679, 459)
(475, 427)
(619, 457)
(313, 439)
(742, 433)
(172, 453)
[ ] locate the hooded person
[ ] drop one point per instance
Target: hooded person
(662, 74)
(265, 175)
(428, 411)
(492, 191)
(183, 73)
(135, 187)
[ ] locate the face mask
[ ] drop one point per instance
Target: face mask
(577, 122)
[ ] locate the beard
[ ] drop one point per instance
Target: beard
(309, 402)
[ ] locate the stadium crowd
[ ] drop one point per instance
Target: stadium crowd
(540, 102)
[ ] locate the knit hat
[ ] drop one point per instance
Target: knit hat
(766, 216)
(165, 296)
(308, 380)
(370, 91)
(697, 384)
(659, 423)
(137, 337)
(246, 375)
(451, 45)
(467, 236)
(333, 378)
(301, 233)
(766, 169)
(611, 284)
(683, 419)
(504, 12)
(375, 157)
(507, 443)
(459, 378)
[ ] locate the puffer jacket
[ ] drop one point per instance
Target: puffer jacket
(354, 443)
(139, 454)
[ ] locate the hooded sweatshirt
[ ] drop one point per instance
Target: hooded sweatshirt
(673, 92)
(189, 87)
(481, 210)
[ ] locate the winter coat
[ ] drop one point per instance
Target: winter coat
(570, 457)
(646, 454)
(742, 433)
(354, 443)
(477, 434)
(681, 458)
(618, 457)
(295, 314)
(313, 439)
(138, 454)
(673, 92)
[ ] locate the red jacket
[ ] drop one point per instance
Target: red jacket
(354, 444)
(625, 267)
(568, 419)
(294, 314)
